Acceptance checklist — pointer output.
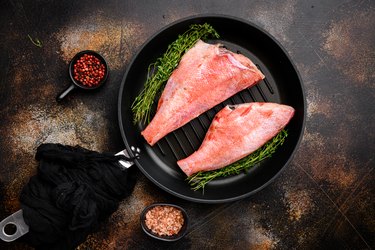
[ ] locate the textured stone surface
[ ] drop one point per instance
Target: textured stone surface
(324, 198)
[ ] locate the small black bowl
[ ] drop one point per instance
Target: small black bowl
(175, 237)
(77, 84)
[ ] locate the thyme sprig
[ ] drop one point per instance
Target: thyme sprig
(201, 179)
(161, 69)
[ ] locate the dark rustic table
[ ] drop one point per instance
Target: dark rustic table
(323, 199)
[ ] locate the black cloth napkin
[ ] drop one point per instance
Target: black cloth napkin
(74, 190)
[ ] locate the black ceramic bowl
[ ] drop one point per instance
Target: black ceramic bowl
(174, 237)
(77, 84)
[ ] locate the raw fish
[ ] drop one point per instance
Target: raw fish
(235, 132)
(206, 76)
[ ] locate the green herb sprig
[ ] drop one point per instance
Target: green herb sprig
(160, 71)
(35, 41)
(201, 179)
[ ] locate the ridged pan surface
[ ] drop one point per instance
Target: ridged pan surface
(281, 85)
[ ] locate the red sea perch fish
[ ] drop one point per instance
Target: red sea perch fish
(235, 132)
(206, 76)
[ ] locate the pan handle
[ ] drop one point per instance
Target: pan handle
(16, 220)
(128, 164)
(65, 92)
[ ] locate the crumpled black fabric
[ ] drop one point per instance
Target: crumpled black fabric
(74, 190)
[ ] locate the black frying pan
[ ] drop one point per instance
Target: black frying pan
(282, 85)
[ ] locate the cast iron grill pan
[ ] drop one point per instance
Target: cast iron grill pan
(281, 85)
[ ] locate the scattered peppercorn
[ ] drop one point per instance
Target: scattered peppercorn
(88, 70)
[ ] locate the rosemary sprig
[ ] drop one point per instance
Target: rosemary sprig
(201, 179)
(161, 69)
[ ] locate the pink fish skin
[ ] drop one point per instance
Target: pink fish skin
(235, 132)
(206, 76)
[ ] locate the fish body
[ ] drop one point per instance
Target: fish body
(206, 76)
(235, 132)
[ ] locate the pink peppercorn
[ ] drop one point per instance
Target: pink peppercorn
(88, 70)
